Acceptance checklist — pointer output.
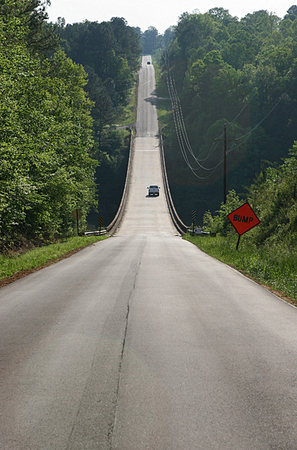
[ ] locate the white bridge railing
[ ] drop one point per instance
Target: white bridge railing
(111, 228)
(178, 223)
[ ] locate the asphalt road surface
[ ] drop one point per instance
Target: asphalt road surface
(144, 342)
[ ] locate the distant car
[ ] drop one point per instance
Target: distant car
(153, 189)
(148, 62)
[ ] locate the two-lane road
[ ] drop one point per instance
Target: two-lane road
(146, 215)
(143, 342)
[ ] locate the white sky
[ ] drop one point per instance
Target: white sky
(157, 13)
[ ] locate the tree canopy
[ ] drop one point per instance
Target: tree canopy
(111, 49)
(110, 53)
(46, 170)
(241, 73)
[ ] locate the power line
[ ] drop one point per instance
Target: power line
(181, 131)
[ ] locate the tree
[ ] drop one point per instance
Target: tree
(168, 36)
(41, 37)
(238, 72)
(109, 52)
(103, 112)
(149, 40)
(193, 31)
(291, 13)
(45, 124)
(128, 44)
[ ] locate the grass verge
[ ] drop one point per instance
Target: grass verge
(128, 115)
(273, 266)
(20, 265)
(163, 103)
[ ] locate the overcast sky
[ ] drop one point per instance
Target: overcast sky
(157, 13)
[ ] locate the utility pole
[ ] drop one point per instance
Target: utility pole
(225, 160)
(225, 163)
(115, 95)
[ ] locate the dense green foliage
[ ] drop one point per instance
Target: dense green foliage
(46, 170)
(109, 52)
(112, 49)
(273, 197)
(60, 148)
(39, 36)
(151, 40)
(268, 251)
(241, 73)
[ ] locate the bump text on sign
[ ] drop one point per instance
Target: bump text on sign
(243, 219)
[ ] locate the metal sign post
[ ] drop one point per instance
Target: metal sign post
(77, 214)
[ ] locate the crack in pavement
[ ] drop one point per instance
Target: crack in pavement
(94, 423)
(137, 267)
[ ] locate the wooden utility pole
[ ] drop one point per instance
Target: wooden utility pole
(225, 160)
(225, 163)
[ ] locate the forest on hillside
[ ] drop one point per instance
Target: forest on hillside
(63, 90)
(223, 70)
(109, 53)
(45, 129)
(66, 87)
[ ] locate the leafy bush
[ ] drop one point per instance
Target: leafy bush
(220, 222)
(273, 197)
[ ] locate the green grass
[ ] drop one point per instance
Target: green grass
(274, 266)
(33, 259)
(129, 111)
(163, 106)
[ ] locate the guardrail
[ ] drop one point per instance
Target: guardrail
(95, 232)
(178, 223)
(111, 228)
